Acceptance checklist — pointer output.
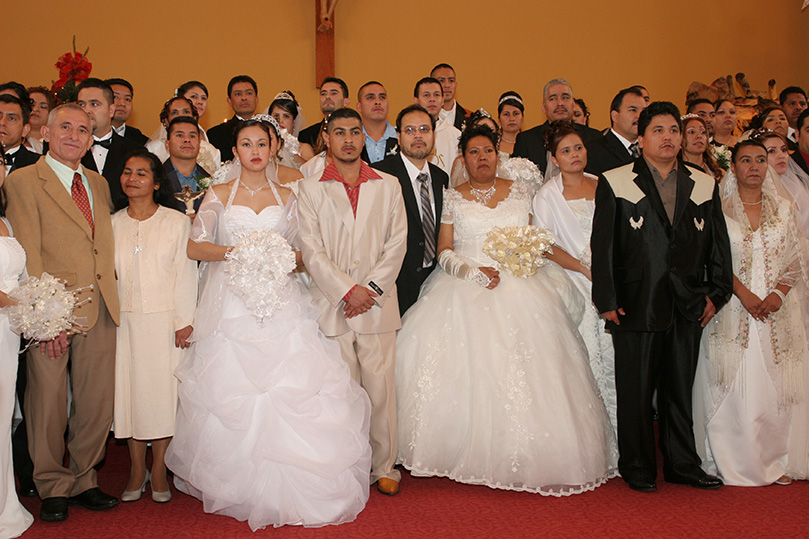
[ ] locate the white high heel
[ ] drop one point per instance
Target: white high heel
(134, 495)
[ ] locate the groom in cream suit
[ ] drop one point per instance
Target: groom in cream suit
(60, 214)
(353, 241)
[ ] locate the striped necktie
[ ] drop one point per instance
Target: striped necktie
(427, 219)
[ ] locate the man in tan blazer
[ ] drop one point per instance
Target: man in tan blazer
(353, 241)
(60, 213)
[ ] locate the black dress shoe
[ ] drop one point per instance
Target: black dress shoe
(704, 482)
(642, 485)
(94, 500)
(27, 488)
(54, 509)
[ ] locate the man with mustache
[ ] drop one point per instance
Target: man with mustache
(380, 136)
(422, 186)
(661, 270)
(557, 104)
(333, 95)
(619, 145)
(353, 239)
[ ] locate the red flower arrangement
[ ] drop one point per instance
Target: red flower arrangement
(73, 68)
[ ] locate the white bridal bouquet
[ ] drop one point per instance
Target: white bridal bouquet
(258, 270)
(518, 250)
(44, 308)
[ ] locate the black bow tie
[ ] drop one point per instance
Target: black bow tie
(106, 143)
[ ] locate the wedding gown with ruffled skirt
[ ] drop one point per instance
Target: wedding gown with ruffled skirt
(494, 386)
(270, 426)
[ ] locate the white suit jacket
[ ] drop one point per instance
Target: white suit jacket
(340, 250)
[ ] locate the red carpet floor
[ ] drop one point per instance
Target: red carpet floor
(442, 508)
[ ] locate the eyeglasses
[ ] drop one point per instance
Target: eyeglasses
(421, 129)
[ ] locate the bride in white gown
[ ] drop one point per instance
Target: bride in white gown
(493, 383)
(270, 427)
(750, 388)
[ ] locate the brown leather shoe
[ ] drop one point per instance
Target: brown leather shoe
(387, 486)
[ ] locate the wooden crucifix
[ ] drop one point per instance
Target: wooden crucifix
(324, 43)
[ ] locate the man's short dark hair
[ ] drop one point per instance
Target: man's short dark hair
(22, 93)
(26, 112)
(618, 100)
(689, 107)
(340, 82)
(441, 66)
(242, 78)
(802, 119)
(92, 82)
(658, 108)
(426, 80)
(182, 120)
(412, 108)
(342, 113)
(746, 144)
(121, 82)
(369, 83)
(782, 97)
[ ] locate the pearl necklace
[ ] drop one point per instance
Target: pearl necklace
(752, 203)
(483, 195)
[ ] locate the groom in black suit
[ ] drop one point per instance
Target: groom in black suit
(661, 270)
(421, 182)
(243, 99)
(619, 145)
(108, 153)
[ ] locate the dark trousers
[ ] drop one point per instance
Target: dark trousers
(666, 361)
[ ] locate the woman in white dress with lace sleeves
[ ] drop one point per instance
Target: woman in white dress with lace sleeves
(564, 206)
(270, 428)
(493, 384)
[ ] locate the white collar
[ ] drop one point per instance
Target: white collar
(624, 141)
(412, 171)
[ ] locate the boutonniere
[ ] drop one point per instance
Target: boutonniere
(699, 224)
(393, 151)
(636, 224)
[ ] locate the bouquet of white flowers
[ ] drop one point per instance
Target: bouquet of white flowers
(258, 271)
(44, 308)
(518, 250)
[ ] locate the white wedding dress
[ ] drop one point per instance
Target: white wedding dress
(270, 426)
(14, 519)
(494, 386)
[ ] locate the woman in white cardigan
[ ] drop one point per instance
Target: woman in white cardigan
(157, 284)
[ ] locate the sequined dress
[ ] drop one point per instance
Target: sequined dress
(494, 386)
(270, 427)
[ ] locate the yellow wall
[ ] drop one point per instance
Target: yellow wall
(599, 46)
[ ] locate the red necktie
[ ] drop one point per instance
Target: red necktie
(80, 198)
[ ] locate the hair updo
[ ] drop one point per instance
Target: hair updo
(557, 131)
(478, 131)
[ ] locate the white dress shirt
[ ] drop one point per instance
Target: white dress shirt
(413, 172)
(446, 146)
(100, 152)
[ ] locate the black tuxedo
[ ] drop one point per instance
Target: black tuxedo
(531, 144)
(135, 135)
(176, 187)
(113, 166)
(22, 158)
(310, 134)
(606, 153)
(413, 272)
(461, 115)
(798, 158)
(660, 273)
(221, 136)
(391, 148)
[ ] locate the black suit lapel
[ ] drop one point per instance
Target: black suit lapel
(684, 187)
(116, 152)
(411, 204)
(88, 161)
(616, 147)
(646, 183)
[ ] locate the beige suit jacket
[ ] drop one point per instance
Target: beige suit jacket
(57, 239)
(340, 250)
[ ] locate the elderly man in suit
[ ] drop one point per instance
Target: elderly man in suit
(661, 270)
(353, 241)
(422, 185)
(60, 213)
(107, 154)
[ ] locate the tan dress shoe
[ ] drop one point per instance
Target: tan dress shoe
(387, 486)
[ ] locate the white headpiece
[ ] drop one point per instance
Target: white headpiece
(510, 97)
